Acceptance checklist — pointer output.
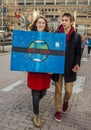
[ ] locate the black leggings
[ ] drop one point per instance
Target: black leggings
(36, 96)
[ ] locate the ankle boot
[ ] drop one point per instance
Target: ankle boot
(36, 120)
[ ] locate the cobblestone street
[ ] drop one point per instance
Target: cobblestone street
(16, 102)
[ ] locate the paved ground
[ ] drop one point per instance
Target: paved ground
(16, 101)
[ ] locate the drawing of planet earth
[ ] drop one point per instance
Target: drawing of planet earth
(38, 44)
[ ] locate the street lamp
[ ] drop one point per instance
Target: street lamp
(75, 13)
(3, 11)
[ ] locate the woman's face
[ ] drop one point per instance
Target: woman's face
(66, 22)
(40, 24)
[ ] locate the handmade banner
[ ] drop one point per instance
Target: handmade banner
(34, 51)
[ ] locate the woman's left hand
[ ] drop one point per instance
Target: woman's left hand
(76, 68)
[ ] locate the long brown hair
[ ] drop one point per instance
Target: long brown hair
(33, 26)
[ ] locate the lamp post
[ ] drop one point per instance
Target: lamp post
(2, 12)
(75, 13)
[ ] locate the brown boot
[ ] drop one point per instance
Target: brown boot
(36, 120)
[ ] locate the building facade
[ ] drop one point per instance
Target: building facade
(19, 11)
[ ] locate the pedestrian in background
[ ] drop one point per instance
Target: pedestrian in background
(38, 82)
(88, 46)
(72, 64)
(83, 43)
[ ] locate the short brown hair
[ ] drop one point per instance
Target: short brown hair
(72, 19)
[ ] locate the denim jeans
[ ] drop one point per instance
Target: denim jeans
(58, 92)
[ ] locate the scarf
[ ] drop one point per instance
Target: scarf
(61, 29)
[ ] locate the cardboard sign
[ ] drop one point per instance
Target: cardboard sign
(34, 51)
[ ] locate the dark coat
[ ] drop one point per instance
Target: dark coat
(72, 58)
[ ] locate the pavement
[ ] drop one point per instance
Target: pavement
(16, 111)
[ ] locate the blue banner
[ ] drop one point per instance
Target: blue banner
(34, 51)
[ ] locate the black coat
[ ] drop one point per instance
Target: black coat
(72, 58)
